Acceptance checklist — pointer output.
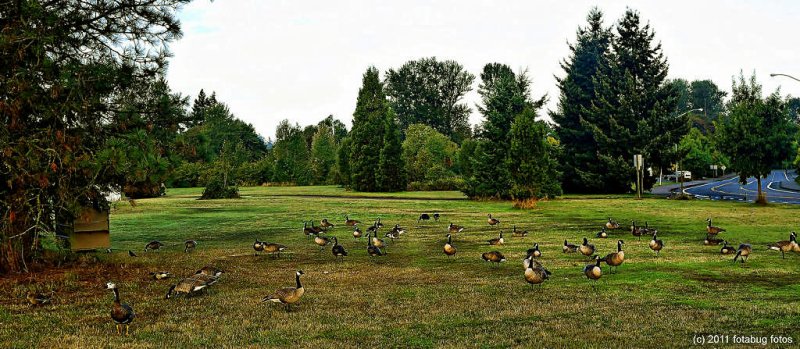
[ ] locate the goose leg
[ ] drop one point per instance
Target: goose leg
(127, 330)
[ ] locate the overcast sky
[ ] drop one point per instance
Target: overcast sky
(303, 60)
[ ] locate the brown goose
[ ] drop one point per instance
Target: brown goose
(372, 250)
(379, 243)
(727, 249)
(36, 298)
(153, 245)
(711, 241)
(338, 250)
(637, 231)
(191, 285)
(455, 228)
(324, 224)
(656, 244)
(210, 270)
(497, 241)
(189, 245)
(612, 224)
(534, 252)
(615, 259)
(602, 233)
(350, 222)
(493, 257)
(122, 314)
(535, 273)
(273, 248)
(449, 249)
(357, 233)
(593, 271)
(258, 246)
(521, 233)
(743, 252)
(785, 246)
(322, 241)
(492, 221)
(309, 231)
(568, 248)
(586, 248)
(288, 295)
(712, 230)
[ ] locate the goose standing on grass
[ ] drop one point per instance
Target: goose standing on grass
(615, 259)
(593, 271)
(379, 243)
(372, 250)
(288, 295)
(492, 221)
(743, 252)
(322, 241)
(727, 249)
(122, 314)
(656, 244)
(612, 224)
(602, 233)
(534, 252)
(338, 250)
(712, 230)
(455, 228)
(258, 246)
(636, 231)
(273, 248)
(497, 241)
(586, 248)
(189, 245)
(350, 222)
(423, 217)
(568, 248)
(324, 224)
(153, 245)
(308, 231)
(36, 298)
(449, 249)
(493, 257)
(391, 235)
(520, 233)
(785, 246)
(535, 273)
(357, 233)
(711, 241)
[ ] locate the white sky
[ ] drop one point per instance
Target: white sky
(303, 60)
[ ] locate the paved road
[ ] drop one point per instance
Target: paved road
(731, 189)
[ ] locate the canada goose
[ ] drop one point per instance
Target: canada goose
(350, 222)
(356, 232)
(455, 228)
(288, 295)
(568, 248)
(338, 250)
(373, 228)
(534, 252)
(273, 248)
(521, 233)
(586, 248)
(130, 253)
(153, 245)
(122, 314)
(378, 223)
(727, 249)
(308, 231)
(435, 216)
(191, 285)
(593, 271)
(636, 231)
(379, 243)
(36, 298)
(423, 217)
(449, 249)
(743, 252)
(710, 241)
(322, 241)
(258, 246)
(612, 224)
(656, 244)
(615, 259)
(372, 250)
(210, 270)
(497, 241)
(494, 257)
(189, 245)
(398, 230)
(392, 235)
(492, 221)
(160, 275)
(710, 229)
(316, 230)
(785, 246)
(535, 273)
(602, 233)
(648, 230)
(324, 224)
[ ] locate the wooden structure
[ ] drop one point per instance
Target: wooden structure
(90, 231)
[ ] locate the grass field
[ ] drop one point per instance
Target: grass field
(416, 296)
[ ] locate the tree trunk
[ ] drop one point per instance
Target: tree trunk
(762, 199)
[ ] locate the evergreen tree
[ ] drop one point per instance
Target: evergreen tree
(391, 174)
(292, 156)
(323, 154)
(632, 112)
(367, 134)
(343, 162)
(577, 88)
(533, 167)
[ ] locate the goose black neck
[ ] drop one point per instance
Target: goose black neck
(597, 262)
(297, 279)
(619, 247)
(449, 239)
(116, 295)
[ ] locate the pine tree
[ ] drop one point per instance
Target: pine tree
(531, 162)
(632, 109)
(577, 93)
(367, 134)
(323, 154)
(391, 174)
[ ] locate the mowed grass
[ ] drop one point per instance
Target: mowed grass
(416, 296)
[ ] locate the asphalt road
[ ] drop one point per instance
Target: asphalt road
(731, 189)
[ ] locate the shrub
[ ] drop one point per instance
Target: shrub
(216, 190)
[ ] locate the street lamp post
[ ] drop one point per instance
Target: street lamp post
(786, 75)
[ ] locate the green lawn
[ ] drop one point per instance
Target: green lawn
(416, 296)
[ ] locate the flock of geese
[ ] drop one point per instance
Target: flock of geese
(534, 271)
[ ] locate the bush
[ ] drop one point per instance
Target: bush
(216, 190)
(446, 183)
(190, 174)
